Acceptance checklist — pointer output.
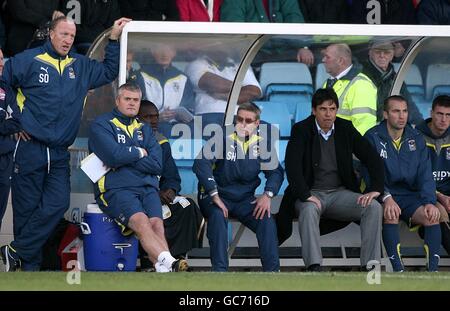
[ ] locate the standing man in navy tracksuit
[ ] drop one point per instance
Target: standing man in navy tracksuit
(9, 124)
(228, 178)
(128, 193)
(52, 83)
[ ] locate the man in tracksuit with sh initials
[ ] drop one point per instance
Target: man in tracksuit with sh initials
(51, 83)
(228, 178)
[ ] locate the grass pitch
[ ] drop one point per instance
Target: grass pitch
(232, 281)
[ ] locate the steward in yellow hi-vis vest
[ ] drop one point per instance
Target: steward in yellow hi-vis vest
(356, 92)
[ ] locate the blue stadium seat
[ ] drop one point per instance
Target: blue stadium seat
(321, 76)
(284, 73)
(292, 95)
(437, 75)
(441, 90)
(184, 151)
(414, 82)
(277, 114)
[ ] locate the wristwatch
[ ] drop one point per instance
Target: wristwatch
(269, 193)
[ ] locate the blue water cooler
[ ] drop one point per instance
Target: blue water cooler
(105, 248)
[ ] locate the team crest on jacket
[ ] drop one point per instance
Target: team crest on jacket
(71, 73)
(255, 150)
(176, 87)
(447, 153)
(412, 145)
(140, 136)
(2, 94)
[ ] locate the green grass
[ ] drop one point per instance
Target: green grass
(232, 281)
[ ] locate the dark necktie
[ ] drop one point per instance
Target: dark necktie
(330, 83)
(206, 2)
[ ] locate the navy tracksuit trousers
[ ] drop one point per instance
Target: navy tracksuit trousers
(40, 195)
(217, 232)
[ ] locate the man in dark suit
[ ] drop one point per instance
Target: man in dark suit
(322, 182)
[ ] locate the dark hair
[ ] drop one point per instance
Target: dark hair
(441, 100)
(252, 107)
(399, 98)
(149, 104)
(58, 20)
(322, 95)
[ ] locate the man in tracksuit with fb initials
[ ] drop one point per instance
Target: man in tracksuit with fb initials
(227, 182)
(51, 83)
(129, 191)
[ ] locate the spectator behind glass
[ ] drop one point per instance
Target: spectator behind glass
(324, 11)
(149, 10)
(434, 12)
(212, 76)
(382, 12)
(167, 87)
(95, 17)
(380, 70)
(25, 17)
(199, 10)
(266, 11)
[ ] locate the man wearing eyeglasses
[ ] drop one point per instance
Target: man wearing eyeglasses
(228, 178)
(322, 182)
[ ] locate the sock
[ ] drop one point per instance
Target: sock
(445, 232)
(391, 240)
(166, 259)
(432, 245)
(159, 267)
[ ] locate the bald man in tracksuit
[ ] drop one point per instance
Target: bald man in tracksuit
(227, 184)
(52, 83)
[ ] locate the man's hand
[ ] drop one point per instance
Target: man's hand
(431, 213)
(118, 27)
(218, 201)
(391, 209)
(444, 200)
(262, 207)
(144, 152)
(167, 196)
(316, 201)
(367, 198)
(167, 115)
(22, 136)
(305, 56)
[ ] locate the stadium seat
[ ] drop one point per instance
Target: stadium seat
(321, 76)
(284, 73)
(441, 90)
(294, 96)
(184, 152)
(414, 83)
(277, 114)
(437, 75)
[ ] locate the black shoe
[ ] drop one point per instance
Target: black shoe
(314, 268)
(180, 265)
(10, 258)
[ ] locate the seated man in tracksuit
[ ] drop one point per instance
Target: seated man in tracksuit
(228, 178)
(437, 136)
(183, 221)
(128, 193)
(9, 124)
(409, 188)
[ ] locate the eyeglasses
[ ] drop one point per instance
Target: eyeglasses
(246, 120)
